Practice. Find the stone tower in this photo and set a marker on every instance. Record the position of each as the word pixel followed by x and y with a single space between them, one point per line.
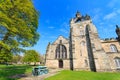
pixel 86 51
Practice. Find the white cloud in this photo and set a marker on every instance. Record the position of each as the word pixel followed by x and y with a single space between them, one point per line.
pixel 64 27
pixel 63 30
pixel 65 24
pixel 118 11
pixel 112 3
pixel 110 15
pixel 97 13
pixel 96 17
pixel 96 10
pixel 101 23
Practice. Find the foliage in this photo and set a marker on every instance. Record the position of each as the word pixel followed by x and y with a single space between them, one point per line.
pixel 18 25
pixel 5 57
pixel 42 59
pixel 16 58
pixel 85 75
pixel 31 56
pixel 8 71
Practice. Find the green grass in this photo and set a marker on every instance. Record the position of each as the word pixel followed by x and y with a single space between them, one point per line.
pixel 85 75
pixel 10 70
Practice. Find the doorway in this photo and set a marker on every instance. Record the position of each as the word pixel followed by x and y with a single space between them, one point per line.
pixel 60 63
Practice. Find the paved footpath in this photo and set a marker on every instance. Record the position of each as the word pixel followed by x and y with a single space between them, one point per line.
pixel 42 77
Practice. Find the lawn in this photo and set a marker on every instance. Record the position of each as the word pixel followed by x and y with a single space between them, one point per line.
pixel 7 71
pixel 85 75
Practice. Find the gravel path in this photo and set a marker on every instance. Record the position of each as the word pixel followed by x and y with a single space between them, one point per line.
pixel 42 77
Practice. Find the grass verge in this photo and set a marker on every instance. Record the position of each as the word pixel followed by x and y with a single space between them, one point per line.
pixel 85 75
pixel 7 71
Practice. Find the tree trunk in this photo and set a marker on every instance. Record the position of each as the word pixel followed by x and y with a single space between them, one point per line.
pixel 34 63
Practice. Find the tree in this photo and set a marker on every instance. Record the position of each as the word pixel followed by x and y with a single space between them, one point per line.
pixel 18 25
pixel 16 58
pixel 31 56
pixel 6 57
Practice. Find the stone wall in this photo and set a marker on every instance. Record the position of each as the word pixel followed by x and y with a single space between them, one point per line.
pixel 51 61
pixel 111 55
pixel 77 46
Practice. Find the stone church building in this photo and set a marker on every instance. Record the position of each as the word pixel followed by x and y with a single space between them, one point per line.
pixel 83 50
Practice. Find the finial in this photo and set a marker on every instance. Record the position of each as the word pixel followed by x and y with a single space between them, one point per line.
pixel 78 15
pixel 117 26
pixel 72 20
pixel 87 17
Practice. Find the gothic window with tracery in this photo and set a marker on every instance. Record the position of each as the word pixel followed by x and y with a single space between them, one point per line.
pixel 61 52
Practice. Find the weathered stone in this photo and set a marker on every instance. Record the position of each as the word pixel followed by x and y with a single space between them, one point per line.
pixel 77 49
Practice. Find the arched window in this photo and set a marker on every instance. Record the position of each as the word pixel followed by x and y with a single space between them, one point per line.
pixel 64 52
pixel 82 47
pixel 117 61
pixel 61 52
pixel 57 55
pixel 113 48
pixel 82 43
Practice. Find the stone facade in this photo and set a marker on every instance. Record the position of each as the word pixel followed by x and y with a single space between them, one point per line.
pixel 112 49
pixel 84 50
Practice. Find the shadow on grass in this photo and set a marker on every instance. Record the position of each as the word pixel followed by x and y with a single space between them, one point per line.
pixel 12 72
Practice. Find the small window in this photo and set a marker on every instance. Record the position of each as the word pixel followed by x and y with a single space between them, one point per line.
pixel 117 61
pixel 86 63
pixel 113 48
pixel 60 41
pixel 82 43
pixel 93 46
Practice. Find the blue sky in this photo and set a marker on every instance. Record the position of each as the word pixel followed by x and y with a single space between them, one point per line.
pixel 56 14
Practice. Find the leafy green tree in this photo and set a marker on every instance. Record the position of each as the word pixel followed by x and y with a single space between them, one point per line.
pixel 18 25
pixel 6 57
pixel 31 56
pixel 17 58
